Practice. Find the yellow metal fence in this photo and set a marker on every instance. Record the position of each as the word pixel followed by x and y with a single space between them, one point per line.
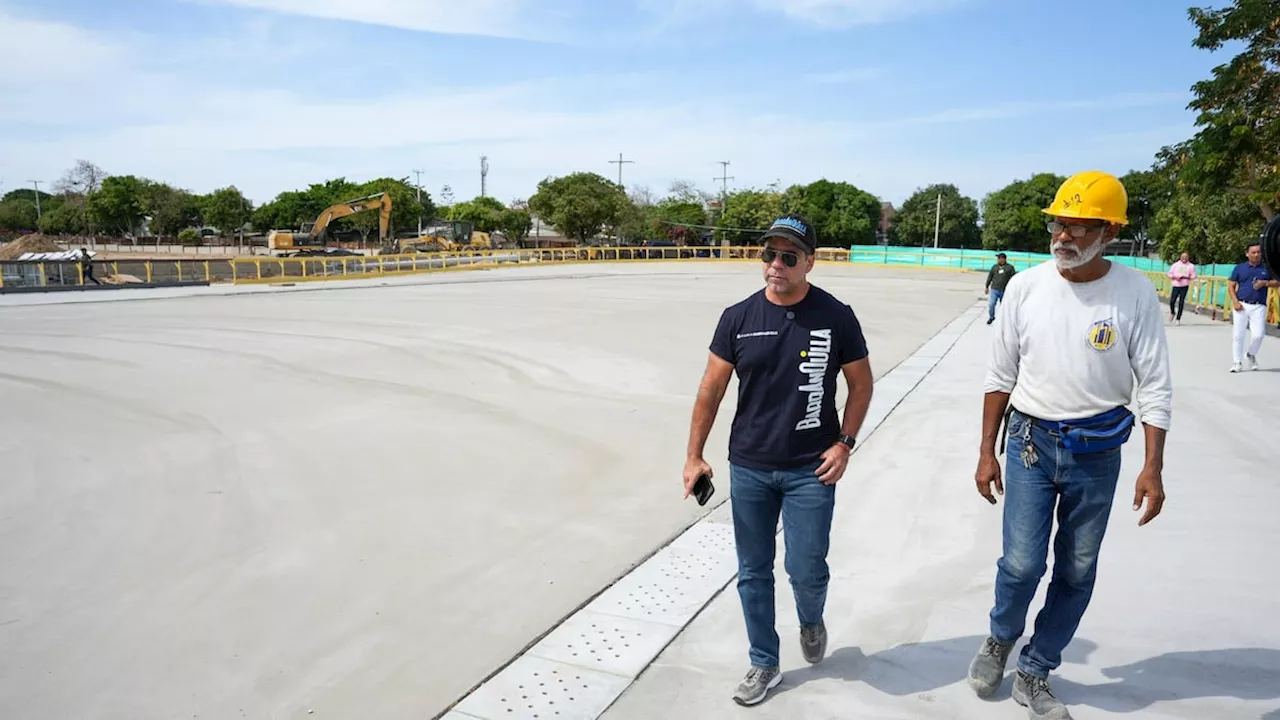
pixel 53 274
pixel 305 269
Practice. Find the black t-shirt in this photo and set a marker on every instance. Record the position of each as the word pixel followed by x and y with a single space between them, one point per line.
pixel 787 360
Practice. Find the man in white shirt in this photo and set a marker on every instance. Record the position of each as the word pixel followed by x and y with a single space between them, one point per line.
pixel 1079 338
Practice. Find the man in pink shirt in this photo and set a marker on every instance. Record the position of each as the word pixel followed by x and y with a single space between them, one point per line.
pixel 1181 273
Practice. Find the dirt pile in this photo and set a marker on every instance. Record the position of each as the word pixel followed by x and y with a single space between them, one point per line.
pixel 28 243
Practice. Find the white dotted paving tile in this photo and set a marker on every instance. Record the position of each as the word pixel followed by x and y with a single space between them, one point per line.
pixel 706 537
pixel 670 587
pixel 455 715
pixel 608 643
pixel 532 688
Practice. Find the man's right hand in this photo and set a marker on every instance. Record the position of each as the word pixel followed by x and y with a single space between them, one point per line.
pixel 694 467
pixel 1238 307
pixel 987 474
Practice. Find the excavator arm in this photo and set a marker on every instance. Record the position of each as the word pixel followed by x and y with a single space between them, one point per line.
pixel 382 201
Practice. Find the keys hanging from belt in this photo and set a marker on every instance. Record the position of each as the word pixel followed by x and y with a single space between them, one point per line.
pixel 1029 456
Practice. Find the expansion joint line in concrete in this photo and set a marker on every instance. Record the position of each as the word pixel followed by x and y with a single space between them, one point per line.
pixel 580 667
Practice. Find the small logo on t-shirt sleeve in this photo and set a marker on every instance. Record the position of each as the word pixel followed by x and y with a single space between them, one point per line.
pixel 1102 335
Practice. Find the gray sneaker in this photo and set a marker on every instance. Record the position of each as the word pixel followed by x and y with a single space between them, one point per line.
pixel 986 672
pixel 813 643
pixel 1034 694
pixel 758 682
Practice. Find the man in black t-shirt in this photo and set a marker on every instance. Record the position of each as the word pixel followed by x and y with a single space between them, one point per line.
pixel 788 343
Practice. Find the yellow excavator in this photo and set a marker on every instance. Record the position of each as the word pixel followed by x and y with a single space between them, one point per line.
pixel 283 240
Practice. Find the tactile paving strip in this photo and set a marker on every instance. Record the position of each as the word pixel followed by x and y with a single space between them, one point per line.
pixel 580 668
pixel 532 688
pixel 607 643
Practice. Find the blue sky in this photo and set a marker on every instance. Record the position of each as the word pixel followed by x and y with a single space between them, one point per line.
pixel 891 95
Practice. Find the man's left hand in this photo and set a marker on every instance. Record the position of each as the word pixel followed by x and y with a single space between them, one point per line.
pixel 1150 485
pixel 834 462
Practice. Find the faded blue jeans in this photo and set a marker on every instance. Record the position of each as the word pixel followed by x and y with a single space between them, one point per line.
pixel 806 507
pixel 1079 490
pixel 994 297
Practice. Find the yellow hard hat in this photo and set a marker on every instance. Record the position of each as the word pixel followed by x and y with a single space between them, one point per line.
pixel 1091 195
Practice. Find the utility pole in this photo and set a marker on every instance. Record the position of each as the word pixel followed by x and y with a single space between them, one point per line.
pixel 419 186
pixel 484 173
pixel 620 162
pixel 937 222
pixel 37 184
pixel 724 179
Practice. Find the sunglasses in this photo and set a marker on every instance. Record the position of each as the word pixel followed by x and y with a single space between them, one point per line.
pixel 1076 231
pixel 768 255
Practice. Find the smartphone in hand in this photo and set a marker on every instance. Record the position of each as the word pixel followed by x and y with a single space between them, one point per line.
pixel 703 489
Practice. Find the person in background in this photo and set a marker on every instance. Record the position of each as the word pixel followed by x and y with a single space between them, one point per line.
pixel 1181 274
pixel 789 342
pixel 997 281
pixel 1247 287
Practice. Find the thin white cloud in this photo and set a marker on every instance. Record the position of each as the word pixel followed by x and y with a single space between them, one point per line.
pixel 845 13
pixel 497 18
pixel 37 52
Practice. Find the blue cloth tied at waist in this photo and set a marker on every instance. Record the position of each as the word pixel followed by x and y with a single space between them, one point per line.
pixel 1099 433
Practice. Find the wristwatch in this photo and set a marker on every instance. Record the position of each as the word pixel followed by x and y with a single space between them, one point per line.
pixel 848 441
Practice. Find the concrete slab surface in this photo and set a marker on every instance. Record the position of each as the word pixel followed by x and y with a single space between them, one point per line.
pixel 354 500
pixel 1182 622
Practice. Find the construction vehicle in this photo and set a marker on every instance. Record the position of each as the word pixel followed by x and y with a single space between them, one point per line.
pixel 286 241
pixel 448 236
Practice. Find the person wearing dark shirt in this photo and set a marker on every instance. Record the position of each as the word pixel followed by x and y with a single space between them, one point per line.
pixel 788 447
pixel 997 280
pixel 1247 287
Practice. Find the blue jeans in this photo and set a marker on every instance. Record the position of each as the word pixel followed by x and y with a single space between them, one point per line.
pixel 993 298
pixel 1079 489
pixel 806 506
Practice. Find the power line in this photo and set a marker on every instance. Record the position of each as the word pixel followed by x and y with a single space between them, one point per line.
pixel 620 162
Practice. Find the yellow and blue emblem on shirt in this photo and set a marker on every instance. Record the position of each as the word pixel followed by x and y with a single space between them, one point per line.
pixel 1102 335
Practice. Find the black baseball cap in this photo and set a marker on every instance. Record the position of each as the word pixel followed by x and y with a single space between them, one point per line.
pixel 794 228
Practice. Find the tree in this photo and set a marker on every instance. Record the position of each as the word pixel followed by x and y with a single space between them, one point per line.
pixel 842 214
pixel 515 223
pixel 1212 228
pixel 748 210
pixel 169 208
pixel 1237 148
pixel 485 213
pixel 118 207
pixel 1011 217
pixel 18 214
pixel 915 221
pixel 579 205
pixel 226 209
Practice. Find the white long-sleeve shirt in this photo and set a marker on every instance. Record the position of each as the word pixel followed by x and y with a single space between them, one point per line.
pixel 1066 350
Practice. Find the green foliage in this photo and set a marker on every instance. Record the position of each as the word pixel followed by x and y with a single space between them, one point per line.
pixel 1211 228
pixel 916 219
pixel 170 209
pixel 484 213
pixel 405 208
pixel 1237 148
pixel 66 219
pixel 117 206
pixel 668 217
pixel 753 210
pixel 299 209
pixel 1012 217
pixel 189 236
pixel 515 223
pixel 18 214
pixel 226 209
pixel 842 214
pixel 580 205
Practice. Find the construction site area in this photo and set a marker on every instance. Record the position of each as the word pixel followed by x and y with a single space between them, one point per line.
pixel 423 496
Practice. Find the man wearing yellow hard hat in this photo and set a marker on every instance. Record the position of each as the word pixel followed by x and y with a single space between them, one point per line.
pixel 1079 338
